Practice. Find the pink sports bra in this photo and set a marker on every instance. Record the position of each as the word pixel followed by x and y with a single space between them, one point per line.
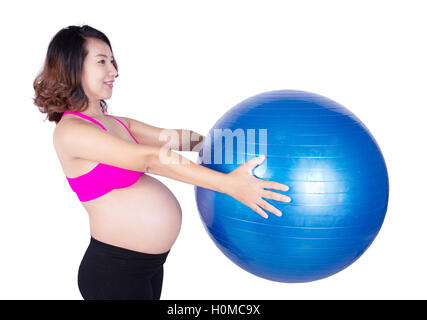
pixel 103 178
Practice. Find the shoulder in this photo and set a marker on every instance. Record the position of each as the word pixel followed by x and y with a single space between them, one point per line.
pixel 65 129
pixel 71 128
pixel 68 122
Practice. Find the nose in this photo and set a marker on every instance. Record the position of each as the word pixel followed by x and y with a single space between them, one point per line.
pixel 113 72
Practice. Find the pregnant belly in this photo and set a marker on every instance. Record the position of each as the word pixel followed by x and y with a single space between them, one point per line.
pixel 144 217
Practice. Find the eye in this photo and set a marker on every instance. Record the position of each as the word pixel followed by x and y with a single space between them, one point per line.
pixel 103 61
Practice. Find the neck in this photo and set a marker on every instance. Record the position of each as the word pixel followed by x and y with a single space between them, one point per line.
pixel 94 111
pixel 93 114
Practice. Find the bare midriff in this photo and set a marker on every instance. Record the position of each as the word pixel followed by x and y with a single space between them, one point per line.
pixel 144 217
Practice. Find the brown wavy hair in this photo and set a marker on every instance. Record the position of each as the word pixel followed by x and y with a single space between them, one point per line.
pixel 58 86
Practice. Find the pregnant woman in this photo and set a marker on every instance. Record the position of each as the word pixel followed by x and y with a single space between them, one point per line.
pixel 107 160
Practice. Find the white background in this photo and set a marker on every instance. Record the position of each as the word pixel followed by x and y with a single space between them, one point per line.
pixel 183 64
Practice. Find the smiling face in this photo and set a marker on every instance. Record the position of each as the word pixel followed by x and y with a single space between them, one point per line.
pixel 98 69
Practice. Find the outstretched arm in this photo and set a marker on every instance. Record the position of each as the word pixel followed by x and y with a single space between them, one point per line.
pixel 174 139
pixel 187 140
pixel 85 141
pixel 240 183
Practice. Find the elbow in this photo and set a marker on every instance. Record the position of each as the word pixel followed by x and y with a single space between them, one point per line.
pixel 149 156
pixel 156 160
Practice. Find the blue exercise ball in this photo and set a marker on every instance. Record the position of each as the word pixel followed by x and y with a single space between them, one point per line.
pixel 337 177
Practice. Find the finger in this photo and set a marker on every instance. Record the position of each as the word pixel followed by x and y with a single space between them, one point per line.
pixel 275 196
pixel 276 185
pixel 264 204
pixel 259 211
pixel 255 161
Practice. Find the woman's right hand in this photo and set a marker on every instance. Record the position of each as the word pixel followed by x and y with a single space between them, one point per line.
pixel 249 190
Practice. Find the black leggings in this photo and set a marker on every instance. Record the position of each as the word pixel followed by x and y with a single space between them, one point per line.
pixel 108 272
